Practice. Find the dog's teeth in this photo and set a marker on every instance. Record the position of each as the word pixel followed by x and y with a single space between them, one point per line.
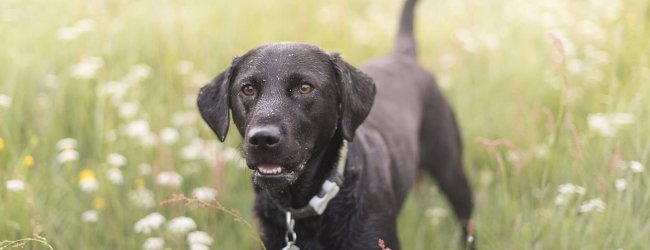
pixel 270 170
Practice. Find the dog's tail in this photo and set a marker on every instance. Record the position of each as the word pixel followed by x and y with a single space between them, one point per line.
pixel 405 43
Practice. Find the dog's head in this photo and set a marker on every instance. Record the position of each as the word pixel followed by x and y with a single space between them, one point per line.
pixel 287 101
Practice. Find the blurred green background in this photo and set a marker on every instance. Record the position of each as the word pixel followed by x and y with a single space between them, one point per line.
pixel 551 97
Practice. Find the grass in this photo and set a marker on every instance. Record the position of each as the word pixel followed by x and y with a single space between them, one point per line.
pixel 524 79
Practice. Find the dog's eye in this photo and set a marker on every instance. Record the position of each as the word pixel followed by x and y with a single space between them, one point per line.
pixel 305 88
pixel 248 90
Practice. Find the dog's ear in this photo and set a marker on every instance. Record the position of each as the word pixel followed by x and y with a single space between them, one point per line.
pixel 357 92
pixel 214 102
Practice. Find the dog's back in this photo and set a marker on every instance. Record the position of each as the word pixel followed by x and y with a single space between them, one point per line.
pixel 411 116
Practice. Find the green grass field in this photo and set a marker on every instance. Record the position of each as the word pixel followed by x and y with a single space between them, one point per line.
pixel 552 97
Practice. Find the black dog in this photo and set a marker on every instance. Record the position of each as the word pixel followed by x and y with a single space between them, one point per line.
pixel 297 107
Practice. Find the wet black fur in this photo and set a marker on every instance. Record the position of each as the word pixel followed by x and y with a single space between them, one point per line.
pixel 391 111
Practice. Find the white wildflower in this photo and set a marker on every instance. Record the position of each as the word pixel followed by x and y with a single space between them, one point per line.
pixel 193 150
pixel 199 247
pixel 88 185
pixel 169 136
pixel 90 216
pixel 72 32
pixel 467 40
pixel 169 179
pixel 608 124
pixel 116 90
pixel 205 194
pixel 513 156
pixel 116 160
pixel 142 197
pixel 620 184
pixel 575 66
pixel 15 185
pixel 138 73
pixel 149 223
pixel 137 128
pixel 571 189
pixel 140 130
pixel 592 205
pixel 566 191
pixel 66 143
pixel 128 109
pixel 542 151
pixel 199 238
pixel 636 167
pixel 600 124
pixel 621 118
pixel 115 175
pixel 87 68
pixel 181 225
pixel 144 169
pixel 184 67
pixel 5 101
pixel 154 243
pixel 210 151
pixel 67 155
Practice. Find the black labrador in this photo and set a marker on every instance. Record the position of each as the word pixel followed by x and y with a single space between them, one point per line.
pixel 297 106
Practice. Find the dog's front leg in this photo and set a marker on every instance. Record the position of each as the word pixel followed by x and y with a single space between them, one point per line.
pixel 272 235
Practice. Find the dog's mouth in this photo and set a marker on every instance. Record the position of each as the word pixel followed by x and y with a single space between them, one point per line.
pixel 269 169
pixel 274 177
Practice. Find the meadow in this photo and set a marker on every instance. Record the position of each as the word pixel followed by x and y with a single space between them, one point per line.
pixel 98 122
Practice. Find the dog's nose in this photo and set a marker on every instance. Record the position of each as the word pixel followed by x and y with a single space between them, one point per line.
pixel 267 136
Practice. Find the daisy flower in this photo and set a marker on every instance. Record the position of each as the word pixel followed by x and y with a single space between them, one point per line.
pixel 205 194
pixel 149 223
pixel 5 101
pixel 116 160
pixel 169 179
pixel 67 155
pixel 87 181
pixel 87 68
pixel 115 175
pixel 620 184
pixel 15 185
pixel 199 237
pixel 90 216
pixel 181 225
pixel 142 197
pixel 154 243
pixel 169 136
pixel 66 143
